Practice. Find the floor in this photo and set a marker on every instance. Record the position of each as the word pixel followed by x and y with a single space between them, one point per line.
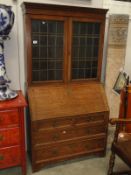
pixel 88 165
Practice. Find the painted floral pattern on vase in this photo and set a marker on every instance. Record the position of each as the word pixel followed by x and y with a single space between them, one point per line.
pixel 6 24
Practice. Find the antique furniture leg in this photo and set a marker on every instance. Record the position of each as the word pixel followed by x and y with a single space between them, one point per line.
pixel 111 163
pixel 121 146
pixel 112 157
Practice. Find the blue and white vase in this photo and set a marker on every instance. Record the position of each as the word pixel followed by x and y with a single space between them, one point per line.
pixel 6 24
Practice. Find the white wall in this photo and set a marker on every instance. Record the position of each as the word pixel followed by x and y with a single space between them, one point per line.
pixel 119 7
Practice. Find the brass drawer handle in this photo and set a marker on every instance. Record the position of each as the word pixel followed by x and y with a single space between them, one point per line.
pixel 1 157
pixel 1 137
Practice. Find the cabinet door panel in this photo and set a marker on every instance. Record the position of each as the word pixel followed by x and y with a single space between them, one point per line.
pixel 85 47
pixel 47 50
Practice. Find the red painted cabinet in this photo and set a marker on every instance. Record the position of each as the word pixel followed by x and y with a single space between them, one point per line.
pixel 12 133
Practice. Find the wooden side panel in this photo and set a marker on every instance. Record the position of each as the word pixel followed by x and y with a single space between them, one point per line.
pixel 22 141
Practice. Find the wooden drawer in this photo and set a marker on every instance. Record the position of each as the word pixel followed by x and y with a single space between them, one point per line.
pixel 69 148
pixel 91 118
pixel 9 118
pixel 9 156
pixel 9 137
pixel 64 121
pixel 52 123
pixel 66 133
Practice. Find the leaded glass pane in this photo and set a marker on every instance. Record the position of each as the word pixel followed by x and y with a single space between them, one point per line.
pixel 85 47
pixel 47 50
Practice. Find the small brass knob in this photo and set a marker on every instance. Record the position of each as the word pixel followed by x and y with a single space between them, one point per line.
pixel 64 132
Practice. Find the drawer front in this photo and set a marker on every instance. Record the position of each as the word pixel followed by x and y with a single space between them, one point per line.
pixel 9 156
pixel 65 133
pixel 70 148
pixel 9 137
pixel 91 118
pixel 9 118
pixel 52 123
pixel 67 121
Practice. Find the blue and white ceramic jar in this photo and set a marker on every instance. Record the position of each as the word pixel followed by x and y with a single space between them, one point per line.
pixel 6 24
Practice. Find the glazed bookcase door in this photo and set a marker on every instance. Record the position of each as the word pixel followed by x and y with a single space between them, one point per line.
pixel 64 46
pixel 85 49
pixel 56 57
pixel 48 44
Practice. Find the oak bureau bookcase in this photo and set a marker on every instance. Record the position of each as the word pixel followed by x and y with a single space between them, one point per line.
pixel 67 103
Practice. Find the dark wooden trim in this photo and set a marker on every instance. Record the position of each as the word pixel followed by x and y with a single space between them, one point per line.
pixel 28 48
pixel 69 51
pixel 101 46
pixel 40 8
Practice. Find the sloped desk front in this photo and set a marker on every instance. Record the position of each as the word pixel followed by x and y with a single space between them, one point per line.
pixel 67 121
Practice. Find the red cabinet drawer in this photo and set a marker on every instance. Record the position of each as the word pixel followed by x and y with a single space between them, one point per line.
pixel 9 156
pixel 9 118
pixel 9 137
